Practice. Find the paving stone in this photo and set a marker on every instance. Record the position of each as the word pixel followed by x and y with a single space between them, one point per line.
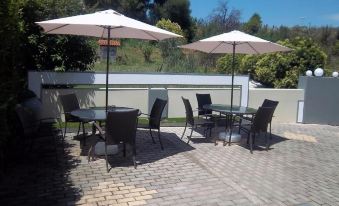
pixel 301 168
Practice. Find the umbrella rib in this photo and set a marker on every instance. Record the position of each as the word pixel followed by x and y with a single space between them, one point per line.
pixel 151 35
pixel 56 28
pixel 253 48
pixel 216 47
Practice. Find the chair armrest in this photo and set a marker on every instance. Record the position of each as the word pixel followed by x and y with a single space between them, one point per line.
pixel 101 132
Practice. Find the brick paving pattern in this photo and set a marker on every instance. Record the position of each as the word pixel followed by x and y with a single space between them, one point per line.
pixel 301 168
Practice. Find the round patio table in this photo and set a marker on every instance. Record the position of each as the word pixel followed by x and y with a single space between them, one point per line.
pixel 230 114
pixel 95 114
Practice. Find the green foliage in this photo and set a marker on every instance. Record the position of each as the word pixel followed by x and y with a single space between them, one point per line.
pixel 283 69
pixel 169 47
pixel 136 9
pixel 147 49
pixel 53 52
pixel 170 26
pixel 224 64
pixel 253 25
pixel 336 48
pixel 175 10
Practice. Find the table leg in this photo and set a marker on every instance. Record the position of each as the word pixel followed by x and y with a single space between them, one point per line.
pixel 83 133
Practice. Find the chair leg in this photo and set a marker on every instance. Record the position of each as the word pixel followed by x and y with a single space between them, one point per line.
pixel 106 157
pixel 251 143
pixel 189 137
pixel 240 121
pixel 270 131
pixel 134 156
pixel 150 131
pixel 79 129
pixel 162 147
pixel 65 129
pixel 267 141
pixel 124 145
pixel 184 131
pixel 83 132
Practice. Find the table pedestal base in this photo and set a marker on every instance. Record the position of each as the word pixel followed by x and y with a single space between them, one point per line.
pixel 226 135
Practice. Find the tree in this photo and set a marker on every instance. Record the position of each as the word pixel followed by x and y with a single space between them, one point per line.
pixel 253 25
pixel 168 46
pixel 49 52
pixel 170 52
pixel 175 10
pixel 224 64
pixel 136 9
pixel 282 70
pixel 225 19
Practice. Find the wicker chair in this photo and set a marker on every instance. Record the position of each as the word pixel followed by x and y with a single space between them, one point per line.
pixel 154 118
pixel 120 127
pixel 259 125
pixel 70 103
pixel 191 121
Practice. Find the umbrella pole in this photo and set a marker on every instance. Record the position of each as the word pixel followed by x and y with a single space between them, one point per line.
pixel 107 66
pixel 233 63
pixel 231 123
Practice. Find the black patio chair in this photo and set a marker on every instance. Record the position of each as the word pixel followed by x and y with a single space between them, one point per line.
pixel 70 103
pixel 154 118
pixel 205 99
pixel 193 122
pixel 259 125
pixel 31 125
pixel 249 119
pixel 120 127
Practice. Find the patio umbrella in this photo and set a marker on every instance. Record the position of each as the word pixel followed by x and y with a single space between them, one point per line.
pixel 235 42
pixel 105 24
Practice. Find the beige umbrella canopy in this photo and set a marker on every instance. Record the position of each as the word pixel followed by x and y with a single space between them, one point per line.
pixel 235 42
pixel 105 24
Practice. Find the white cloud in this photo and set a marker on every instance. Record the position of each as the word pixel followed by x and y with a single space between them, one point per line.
pixel 334 17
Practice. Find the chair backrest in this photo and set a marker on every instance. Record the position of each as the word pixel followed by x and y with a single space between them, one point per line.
pixel 270 103
pixel 69 102
pixel 29 122
pixel 35 105
pixel 203 99
pixel 156 113
pixel 189 111
pixel 262 118
pixel 121 126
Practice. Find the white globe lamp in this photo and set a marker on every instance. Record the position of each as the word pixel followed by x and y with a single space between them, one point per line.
pixel 335 74
pixel 318 72
pixel 309 73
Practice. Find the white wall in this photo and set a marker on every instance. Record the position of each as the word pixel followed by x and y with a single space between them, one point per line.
pixel 138 98
pixel 288 102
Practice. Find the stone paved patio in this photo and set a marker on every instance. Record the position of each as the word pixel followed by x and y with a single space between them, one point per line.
pixel 301 168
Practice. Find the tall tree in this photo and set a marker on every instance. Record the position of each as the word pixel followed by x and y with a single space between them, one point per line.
pixel 225 19
pixel 253 25
pixel 136 9
pixel 177 11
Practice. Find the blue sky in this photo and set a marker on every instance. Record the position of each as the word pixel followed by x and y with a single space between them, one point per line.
pixel 278 12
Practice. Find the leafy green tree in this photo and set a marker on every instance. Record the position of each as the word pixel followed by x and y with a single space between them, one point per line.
pixel 175 10
pixel 253 25
pixel 49 52
pixel 167 47
pixel 282 70
pixel 170 52
pixel 224 64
